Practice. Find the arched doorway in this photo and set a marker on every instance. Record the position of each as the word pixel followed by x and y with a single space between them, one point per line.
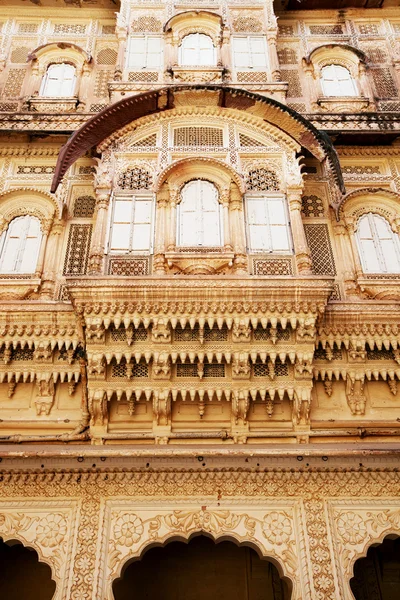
pixel 200 570
pixel 377 575
pixel 22 576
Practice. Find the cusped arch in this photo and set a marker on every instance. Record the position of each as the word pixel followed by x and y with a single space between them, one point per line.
pixel 393 533
pixel 380 200
pixel 22 201
pixel 212 169
pixel 186 537
pixel 55 52
pixel 319 52
pixel 130 109
pixel 195 21
pixel 31 545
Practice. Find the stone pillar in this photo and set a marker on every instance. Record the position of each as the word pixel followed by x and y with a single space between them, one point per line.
pixel 351 226
pixel 225 49
pixel 302 252
pixel 45 234
pixel 97 246
pixel 341 234
pixel 224 199
pixel 121 31
pixel 273 55
pixel 172 235
pixel 83 87
pixel 160 237
pixel 51 260
pixel 34 81
pixel 238 236
pixel 365 84
pixel 313 86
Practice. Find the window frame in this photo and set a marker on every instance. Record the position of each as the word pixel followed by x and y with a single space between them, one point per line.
pixel 132 197
pixel 271 250
pixel 46 79
pixel 146 38
pixel 337 82
pixel 250 53
pixel 181 50
pixel 18 255
pixel 221 231
pixel 376 239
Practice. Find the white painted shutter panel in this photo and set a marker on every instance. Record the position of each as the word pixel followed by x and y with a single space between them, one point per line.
pixel 389 244
pixel 206 50
pixel 278 224
pixel 137 52
pixel 241 52
pixel 141 237
pixel 209 214
pixel 188 222
pixel 190 50
pixel 154 53
pixel 257 221
pixel 258 53
pixel 368 250
pixel 121 225
pixel 29 250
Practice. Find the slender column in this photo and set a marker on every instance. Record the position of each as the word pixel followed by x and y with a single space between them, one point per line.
pixel 365 84
pixel 312 85
pixel 122 36
pixel 302 252
pixel 225 49
pixel 351 226
pixel 96 256
pixel 237 230
pixel 224 199
pixel 83 82
pixel 173 201
pixel 160 231
pixel 51 260
pixel 346 254
pixel 273 55
pixel 42 250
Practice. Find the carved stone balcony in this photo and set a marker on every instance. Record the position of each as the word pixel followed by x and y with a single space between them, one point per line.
pixel 53 105
pixel 197 74
pixel 344 105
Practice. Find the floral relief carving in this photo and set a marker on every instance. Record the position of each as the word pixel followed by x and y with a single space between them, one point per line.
pixel 132 530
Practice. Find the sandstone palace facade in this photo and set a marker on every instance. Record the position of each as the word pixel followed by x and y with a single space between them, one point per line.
pixel 199 299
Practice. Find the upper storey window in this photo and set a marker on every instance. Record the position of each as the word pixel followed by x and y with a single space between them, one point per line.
pixel 59 81
pixel 250 52
pixel 379 246
pixel 132 224
pixel 19 245
pixel 199 215
pixel 267 224
pixel 197 50
pixel 337 81
pixel 145 52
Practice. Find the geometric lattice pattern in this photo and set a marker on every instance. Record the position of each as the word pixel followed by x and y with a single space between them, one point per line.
pixel 312 206
pixel 320 248
pixel 150 140
pixel 186 334
pixel 272 266
pixel 13 85
pixel 262 180
pixel 69 28
pixel 213 370
pixel 294 85
pixel 321 354
pixel 252 77
pixel 120 334
pixel 384 83
pixel 135 179
pixel 84 207
pixel 380 354
pixel 247 23
pixel 198 136
pixel 287 56
pixel 146 23
pixel 261 334
pixel 77 249
pixel 22 354
pixel 143 76
pixel 186 370
pixel 28 27
pixel 107 56
pixel 101 83
pixel 129 267
pixel 326 29
pixel 215 334
pixel 247 142
pixel 285 30
pixel 35 170
pixel 19 55
pixel 368 29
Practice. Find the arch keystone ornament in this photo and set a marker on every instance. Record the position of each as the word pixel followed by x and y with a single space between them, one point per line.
pixel 272 531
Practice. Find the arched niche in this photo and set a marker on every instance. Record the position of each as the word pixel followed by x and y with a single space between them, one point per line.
pixel 28 201
pixel 194 21
pixel 23 574
pixel 377 573
pixel 205 567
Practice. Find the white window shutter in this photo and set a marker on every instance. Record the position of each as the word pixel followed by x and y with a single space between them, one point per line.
pixel 137 52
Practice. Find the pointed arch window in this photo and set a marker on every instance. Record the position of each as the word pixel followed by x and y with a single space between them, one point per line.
pixel 19 245
pixel 197 50
pixel 337 81
pixel 378 244
pixel 59 81
pixel 199 215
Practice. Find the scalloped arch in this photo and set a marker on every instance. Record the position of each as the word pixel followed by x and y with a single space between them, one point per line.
pixel 116 116
pixel 231 537
pixel 323 48
pixel 363 192
pixel 36 193
pixel 54 48
pixel 214 169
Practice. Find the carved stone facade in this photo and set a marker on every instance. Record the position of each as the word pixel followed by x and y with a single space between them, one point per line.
pixel 164 375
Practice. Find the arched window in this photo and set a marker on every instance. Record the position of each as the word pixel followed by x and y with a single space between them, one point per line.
pixel 267 224
pixel 19 245
pixel 199 215
pixel 59 81
pixel 197 50
pixel 378 245
pixel 337 81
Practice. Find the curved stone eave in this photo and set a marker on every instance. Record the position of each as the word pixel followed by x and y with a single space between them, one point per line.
pixel 118 115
